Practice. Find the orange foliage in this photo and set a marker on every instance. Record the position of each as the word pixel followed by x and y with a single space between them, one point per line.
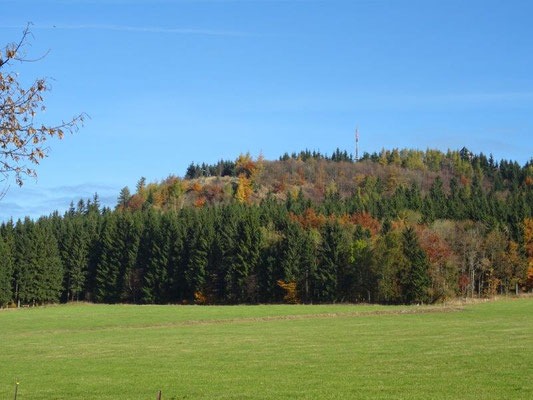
pixel 136 202
pixel 464 282
pixel 367 221
pixel 291 294
pixel 465 181
pixel 529 181
pixel 196 187
pixel 301 177
pixel 398 224
pixel 212 192
pixel 309 219
pixel 200 298
pixel 345 219
pixel 200 202
pixel 281 185
pixel 436 248
pixel 320 189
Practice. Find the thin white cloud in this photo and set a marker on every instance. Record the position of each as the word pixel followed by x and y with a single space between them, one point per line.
pixel 106 2
pixel 34 201
pixel 128 28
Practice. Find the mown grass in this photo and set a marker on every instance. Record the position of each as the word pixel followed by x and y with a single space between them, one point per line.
pixel 484 351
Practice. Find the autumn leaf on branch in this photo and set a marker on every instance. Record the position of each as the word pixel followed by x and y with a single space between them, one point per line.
pixel 22 136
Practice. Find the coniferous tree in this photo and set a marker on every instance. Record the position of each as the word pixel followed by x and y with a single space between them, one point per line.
pixel 333 254
pixel 75 258
pixel 178 255
pixel 123 198
pixel 269 264
pixel 6 273
pixel 415 278
pixel 224 250
pixel 198 258
pixel 290 253
pixel 107 270
pixel 154 260
pixel 246 258
pixel 129 228
pixel 308 265
pixel 438 199
pixel 40 269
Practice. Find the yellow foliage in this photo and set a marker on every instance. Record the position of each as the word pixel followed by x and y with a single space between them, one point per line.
pixel 291 294
pixel 244 189
pixel 245 165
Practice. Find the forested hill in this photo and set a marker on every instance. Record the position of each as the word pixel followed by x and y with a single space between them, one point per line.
pixel 401 226
pixel 455 185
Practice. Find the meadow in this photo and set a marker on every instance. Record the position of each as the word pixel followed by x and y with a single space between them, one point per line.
pixel 477 351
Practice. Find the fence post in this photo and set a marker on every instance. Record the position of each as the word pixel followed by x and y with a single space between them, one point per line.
pixel 159 395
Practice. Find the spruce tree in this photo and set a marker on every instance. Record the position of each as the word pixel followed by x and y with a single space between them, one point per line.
pixel 74 255
pixel 25 285
pixel 153 260
pixel 177 227
pixel 247 255
pixel 224 249
pixel 198 258
pixel 416 280
pixel 129 228
pixel 107 270
pixel 50 271
pixel 290 253
pixel 38 267
pixel 308 265
pixel 6 273
pixel 123 198
pixel 438 199
pixel 333 254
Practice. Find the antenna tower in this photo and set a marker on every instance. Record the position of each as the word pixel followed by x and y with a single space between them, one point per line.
pixel 357 144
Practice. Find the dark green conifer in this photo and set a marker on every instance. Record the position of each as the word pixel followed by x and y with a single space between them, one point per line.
pixel 415 279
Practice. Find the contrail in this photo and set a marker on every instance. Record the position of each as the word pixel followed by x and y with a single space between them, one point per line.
pixel 127 28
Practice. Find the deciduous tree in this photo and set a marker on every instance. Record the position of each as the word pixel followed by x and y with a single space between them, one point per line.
pixel 23 135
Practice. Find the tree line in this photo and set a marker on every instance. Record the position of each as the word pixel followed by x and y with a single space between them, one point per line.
pixel 257 238
pixel 270 252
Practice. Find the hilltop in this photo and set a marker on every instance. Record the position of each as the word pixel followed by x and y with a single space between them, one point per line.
pixel 382 184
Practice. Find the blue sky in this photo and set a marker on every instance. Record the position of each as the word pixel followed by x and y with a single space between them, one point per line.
pixel 167 82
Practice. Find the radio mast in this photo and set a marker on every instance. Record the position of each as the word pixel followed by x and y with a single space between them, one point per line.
pixel 356 144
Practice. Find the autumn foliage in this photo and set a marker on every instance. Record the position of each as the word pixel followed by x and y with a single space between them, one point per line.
pixel 23 136
pixel 309 219
pixel 528 239
pixel 291 293
pixel 244 189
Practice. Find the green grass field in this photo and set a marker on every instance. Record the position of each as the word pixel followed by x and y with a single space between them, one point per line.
pixel 483 351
